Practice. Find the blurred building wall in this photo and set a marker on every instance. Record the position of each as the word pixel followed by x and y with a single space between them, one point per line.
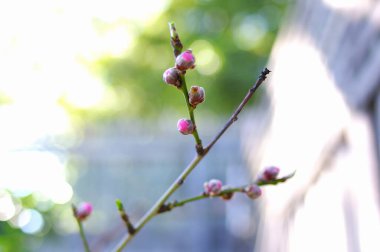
pixel 322 120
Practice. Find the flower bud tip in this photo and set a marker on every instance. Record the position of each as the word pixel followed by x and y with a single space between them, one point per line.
pixel 185 60
pixel 185 126
pixel 269 173
pixel 84 210
pixel 213 187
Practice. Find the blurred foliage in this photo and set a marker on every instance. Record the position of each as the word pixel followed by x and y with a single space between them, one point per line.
pixel 231 41
pixel 11 239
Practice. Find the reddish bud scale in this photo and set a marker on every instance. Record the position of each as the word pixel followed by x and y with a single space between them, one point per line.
pixel 196 95
pixel 172 77
pixel 227 196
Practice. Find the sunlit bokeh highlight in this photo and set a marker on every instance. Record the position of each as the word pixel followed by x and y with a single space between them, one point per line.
pixel 7 207
pixel 46 52
pixel 347 4
pixel 208 61
pixel 30 221
pixel 250 30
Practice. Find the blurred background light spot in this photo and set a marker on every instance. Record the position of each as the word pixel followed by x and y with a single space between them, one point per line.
pixel 61 193
pixel 85 92
pixel 346 4
pixel 30 221
pixel 35 171
pixel 24 124
pixel 250 30
pixel 7 207
pixel 139 11
pixel 208 61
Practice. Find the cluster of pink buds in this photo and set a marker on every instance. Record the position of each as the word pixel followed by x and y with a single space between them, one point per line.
pixel 213 187
pixel 173 76
pixel 270 173
pixel 183 62
pixel 83 211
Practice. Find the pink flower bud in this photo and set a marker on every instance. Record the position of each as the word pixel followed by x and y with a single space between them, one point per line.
pixel 185 60
pixel 196 95
pixel 253 191
pixel 269 173
pixel 212 187
pixel 185 126
pixel 172 77
pixel 83 210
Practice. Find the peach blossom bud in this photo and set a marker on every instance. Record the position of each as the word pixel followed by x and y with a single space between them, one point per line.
pixel 185 60
pixel 269 173
pixel 83 210
pixel 196 95
pixel 185 126
pixel 213 187
pixel 172 77
pixel 253 191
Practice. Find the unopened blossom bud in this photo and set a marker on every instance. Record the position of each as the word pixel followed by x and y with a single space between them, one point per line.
pixel 185 126
pixel 212 187
pixel 172 77
pixel 185 60
pixel 269 173
pixel 196 95
pixel 227 196
pixel 83 210
pixel 253 191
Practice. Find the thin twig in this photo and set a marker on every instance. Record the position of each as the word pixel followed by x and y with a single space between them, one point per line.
pixel 155 208
pixel 169 206
pixel 234 116
pixel 123 215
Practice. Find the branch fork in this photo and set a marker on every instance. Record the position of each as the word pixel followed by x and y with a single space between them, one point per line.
pixel 212 189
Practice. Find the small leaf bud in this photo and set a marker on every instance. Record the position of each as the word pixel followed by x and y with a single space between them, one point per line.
pixel 253 191
pixel 212 187
pixel 83 210
pixel 227 196
pixel 172 77
pixel 185 126
pixel 196 95
pixel 185 60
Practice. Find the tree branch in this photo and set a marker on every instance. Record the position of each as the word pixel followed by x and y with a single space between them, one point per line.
pixel 155 209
